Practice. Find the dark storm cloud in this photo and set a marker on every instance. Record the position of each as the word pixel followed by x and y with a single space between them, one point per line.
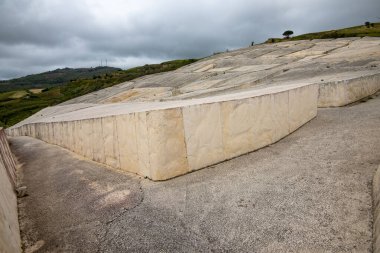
pixel 39 35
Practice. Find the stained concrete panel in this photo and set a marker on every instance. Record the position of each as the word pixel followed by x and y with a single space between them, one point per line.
pixel 302 105
pixel 280 115
pixel 65 134
pixel 376 211
pixel 127 142
pixel 111 145
pixel 167 154
pixel 238 121
pixel 87 140
pixel 339 93
pixel 10 241
pixel 72 136
pixel 98 141
pixel 143 145
pixel 263 129
pixel 203 133
pixel 79 149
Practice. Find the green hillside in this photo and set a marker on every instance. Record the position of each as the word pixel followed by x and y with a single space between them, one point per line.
pixel 53 78
pixel 357 31
pixel 19 104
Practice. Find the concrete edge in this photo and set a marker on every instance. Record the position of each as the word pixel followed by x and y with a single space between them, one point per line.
pixel 344 92
pixel 162 144
pixel 376 211
pixel 10 239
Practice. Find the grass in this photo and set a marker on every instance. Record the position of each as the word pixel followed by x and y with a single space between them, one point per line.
pixel 20 104
pixel 18 94
pixel 356 31
pixel 36 91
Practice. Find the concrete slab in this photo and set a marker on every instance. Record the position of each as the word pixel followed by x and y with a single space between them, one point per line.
pixel 179 136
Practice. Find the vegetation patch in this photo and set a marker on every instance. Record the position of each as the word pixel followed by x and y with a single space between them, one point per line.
pixel 18 94
pixel 370 30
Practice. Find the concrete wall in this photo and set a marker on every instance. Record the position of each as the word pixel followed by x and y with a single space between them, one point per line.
pixel 164 143
pixel 376 211
pixel 345 92
pixel 9 228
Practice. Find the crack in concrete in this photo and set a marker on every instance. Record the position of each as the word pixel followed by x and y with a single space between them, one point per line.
pixel 107 225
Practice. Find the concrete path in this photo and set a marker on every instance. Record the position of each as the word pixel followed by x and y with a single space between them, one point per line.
pixel 310 192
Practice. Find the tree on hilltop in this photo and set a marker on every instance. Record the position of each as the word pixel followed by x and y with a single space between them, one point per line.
pixel 287 34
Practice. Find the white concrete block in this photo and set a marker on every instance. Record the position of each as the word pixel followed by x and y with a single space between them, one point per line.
pixel 88 135
pixel 111 145
pixel 263 128
pixel 340 93
pixel 302 105
pixel 127 142
pixel 203 135
pixel 239 118
pixel 167 148
pixel 143 148
pixel 98 141
pixel 280 114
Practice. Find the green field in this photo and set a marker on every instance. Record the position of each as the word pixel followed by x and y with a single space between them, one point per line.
pixel 356 31
pixel 20 104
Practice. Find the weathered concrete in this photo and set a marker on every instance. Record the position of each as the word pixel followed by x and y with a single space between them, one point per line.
pixel 334 64
pixel 165 140
pixel 376 211
pixel 309 192
pixel 215 109
pixel 344 92
pixel 10 241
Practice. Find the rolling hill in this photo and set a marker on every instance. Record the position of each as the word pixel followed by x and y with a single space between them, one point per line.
pixel 53 78
pixel 356 31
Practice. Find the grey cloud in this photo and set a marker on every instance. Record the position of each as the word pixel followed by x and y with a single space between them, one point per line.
pixel 40 35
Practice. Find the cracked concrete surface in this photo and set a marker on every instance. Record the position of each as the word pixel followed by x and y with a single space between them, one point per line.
pixel 309 192
pixel 306 61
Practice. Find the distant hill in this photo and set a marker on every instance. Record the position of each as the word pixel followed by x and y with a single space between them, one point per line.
pixel 356 31
pixel 53 78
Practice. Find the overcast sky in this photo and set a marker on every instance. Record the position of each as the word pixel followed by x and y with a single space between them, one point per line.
pixel 41 35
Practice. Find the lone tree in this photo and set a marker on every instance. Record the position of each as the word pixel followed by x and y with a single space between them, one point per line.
pixel 367 24
pixel 287 34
